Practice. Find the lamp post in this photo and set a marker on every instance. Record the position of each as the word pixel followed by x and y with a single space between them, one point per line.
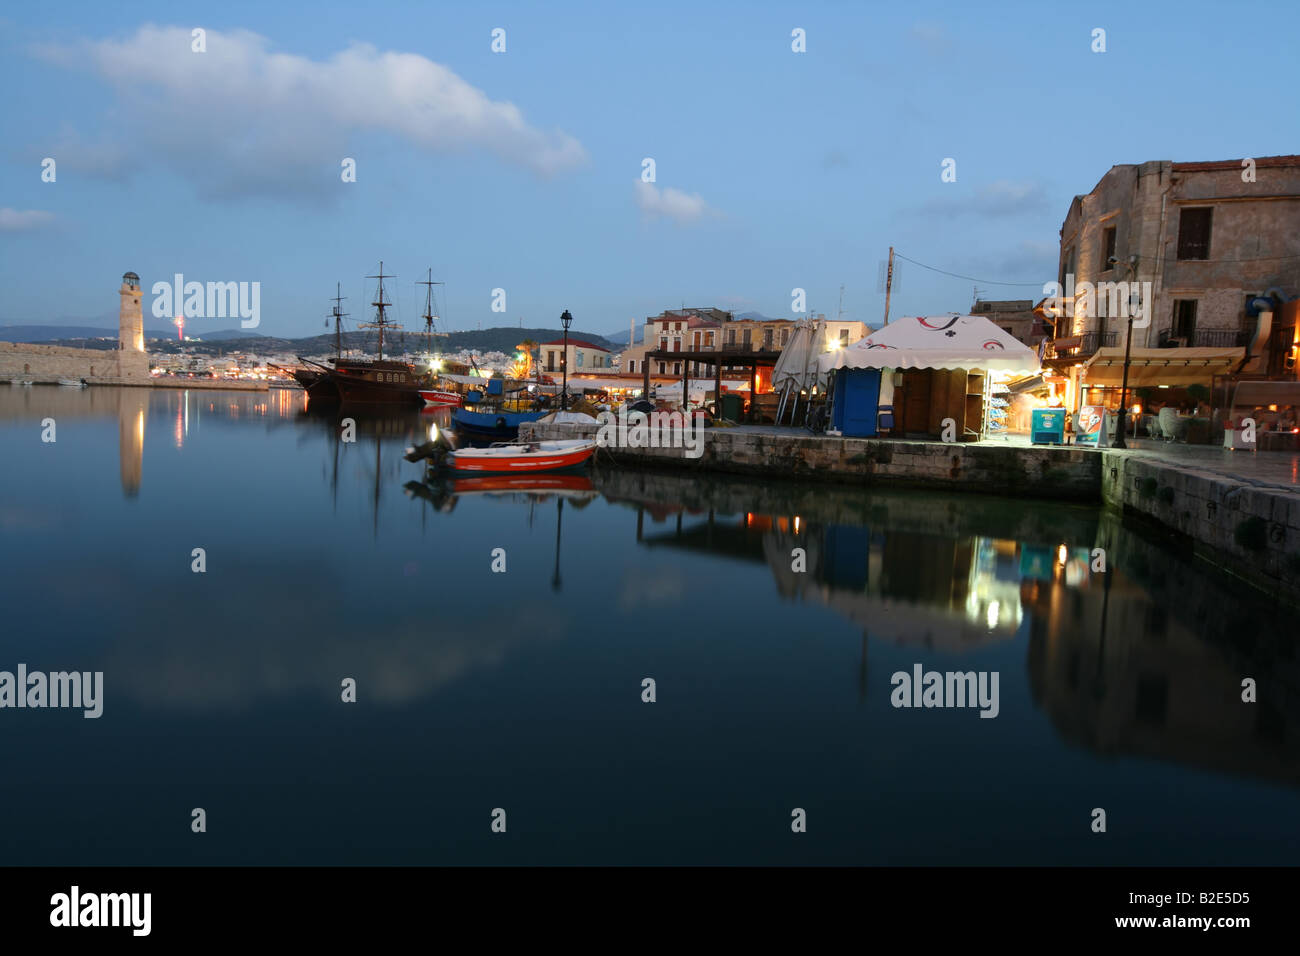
pixel 1121 426
pixel 565 320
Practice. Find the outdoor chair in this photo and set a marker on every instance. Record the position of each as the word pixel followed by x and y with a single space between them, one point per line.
pixel 1172 425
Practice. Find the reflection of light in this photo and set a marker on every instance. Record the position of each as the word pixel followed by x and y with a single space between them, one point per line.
pixel 796 524
pixel 433 431
pixel 1062 555
pixel 993 614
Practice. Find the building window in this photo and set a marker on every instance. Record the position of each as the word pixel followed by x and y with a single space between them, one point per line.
pixel 661 368
pixel 844 337
pixel 731 336
pixel 1194 233
pixel 767 340
pixel 746 339
pixel 677 368
pixel 550 360
pixel 579 354
pixel 785 337
pixel 1184 325
pixel 1107 247
pixel 708 339
pixel 1067 266
pixel 663 344
pixel 631 365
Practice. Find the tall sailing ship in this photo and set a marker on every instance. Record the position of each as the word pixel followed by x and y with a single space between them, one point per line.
pixel 379 381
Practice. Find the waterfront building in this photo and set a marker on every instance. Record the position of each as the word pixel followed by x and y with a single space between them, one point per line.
pixel 1209 238
pixel 582 356
pixel 1019 318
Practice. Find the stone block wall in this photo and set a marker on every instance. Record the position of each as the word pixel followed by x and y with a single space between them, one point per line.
pixel 49 363
pixel 1252 531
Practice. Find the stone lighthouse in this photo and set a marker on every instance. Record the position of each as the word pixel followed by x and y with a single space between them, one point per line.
pixel 130 317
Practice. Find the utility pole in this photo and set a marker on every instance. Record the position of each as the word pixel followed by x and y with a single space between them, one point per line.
pixel 889 282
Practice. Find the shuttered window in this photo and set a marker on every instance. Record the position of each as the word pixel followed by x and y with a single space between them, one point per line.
pixel 1194 233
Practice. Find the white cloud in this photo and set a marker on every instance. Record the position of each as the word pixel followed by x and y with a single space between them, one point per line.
pixel 241 119
pixel 23 220
pixel 996 199
pixel 670 203
pixel 932 36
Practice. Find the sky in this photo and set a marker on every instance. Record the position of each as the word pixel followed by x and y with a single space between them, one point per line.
pixel 523 170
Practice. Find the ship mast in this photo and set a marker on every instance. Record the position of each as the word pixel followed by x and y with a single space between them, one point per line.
pixel 429 333
pixel 338 314
pixel 381 321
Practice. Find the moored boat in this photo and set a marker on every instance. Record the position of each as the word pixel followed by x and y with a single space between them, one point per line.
pixel 72 383
pixel 438 398
pixel 379 382
pixel 522 457
pixel 491 425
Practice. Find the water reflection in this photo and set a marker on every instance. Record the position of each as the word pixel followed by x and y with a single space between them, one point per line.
pixel 1145 660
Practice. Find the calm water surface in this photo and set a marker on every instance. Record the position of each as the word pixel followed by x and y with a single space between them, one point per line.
pixel 522 690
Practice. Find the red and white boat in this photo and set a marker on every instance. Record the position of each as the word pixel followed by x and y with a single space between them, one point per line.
pixel 436 398
pixel 516 458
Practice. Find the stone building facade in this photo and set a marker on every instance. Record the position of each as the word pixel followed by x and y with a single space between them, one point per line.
pixel 128 364
pixel 1209 236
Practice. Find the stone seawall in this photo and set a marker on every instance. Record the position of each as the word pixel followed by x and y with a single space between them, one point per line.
pixel 1249 529
pixel 50 363
pixel 1071 474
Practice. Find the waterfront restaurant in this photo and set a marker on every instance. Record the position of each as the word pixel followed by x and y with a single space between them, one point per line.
pixel 911 375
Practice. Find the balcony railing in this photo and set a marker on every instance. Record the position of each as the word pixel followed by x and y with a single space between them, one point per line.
pixel 1081 346
pixel 1205 339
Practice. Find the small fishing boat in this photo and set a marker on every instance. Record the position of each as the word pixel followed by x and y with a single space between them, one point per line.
pixel 20 382
pixel 491 425
pixel 72 383
pixel 522 457
pixel 437 398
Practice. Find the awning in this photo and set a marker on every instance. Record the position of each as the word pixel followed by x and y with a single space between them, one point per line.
pixel 1152 367
pixel 1251 394
pixel 946 341
pixel 1030 384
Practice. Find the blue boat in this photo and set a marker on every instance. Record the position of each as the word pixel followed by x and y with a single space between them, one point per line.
pixel 491 425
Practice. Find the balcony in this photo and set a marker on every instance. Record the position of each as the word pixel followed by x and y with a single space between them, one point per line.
pixel 1081 346
pixel 1204 339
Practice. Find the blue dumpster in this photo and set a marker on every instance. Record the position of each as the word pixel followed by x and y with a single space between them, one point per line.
pixel 1047 426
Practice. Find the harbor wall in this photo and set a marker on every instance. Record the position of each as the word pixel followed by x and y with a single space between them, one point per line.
pixel 1071 474
pixel 1247 529
pixel 1250 530
pixel 49 363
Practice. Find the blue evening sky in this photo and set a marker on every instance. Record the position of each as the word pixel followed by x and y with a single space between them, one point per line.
pixel 521 170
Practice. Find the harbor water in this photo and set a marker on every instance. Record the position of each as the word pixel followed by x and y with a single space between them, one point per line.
pixel 619 667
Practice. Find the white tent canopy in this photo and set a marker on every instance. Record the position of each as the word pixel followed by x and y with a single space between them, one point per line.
pixel 945 341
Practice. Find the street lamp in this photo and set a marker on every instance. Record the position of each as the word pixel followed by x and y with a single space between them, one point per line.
pixel 565 320
pixel 1121 426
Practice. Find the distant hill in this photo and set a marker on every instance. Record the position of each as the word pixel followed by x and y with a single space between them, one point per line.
pixel 51 333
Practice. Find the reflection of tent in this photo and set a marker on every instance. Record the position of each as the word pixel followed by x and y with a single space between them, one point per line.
pixel 960 344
